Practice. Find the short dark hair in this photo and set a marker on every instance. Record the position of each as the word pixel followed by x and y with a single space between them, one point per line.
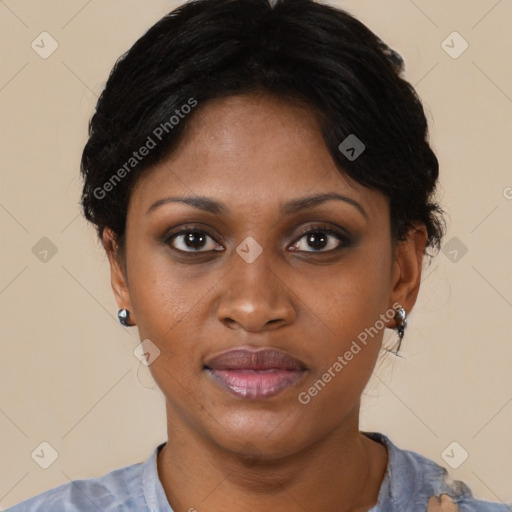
pixel 297 50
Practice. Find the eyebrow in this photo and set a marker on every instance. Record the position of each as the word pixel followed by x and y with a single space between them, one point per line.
pixel 200 202
pixel 212 206
pixel 310 201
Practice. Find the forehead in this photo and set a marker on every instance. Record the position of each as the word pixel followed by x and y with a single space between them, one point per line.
pixel 249 150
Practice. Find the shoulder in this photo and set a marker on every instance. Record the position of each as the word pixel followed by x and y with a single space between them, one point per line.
pixel 118 490
pixel 414 482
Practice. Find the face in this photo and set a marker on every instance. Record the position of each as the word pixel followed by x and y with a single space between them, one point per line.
pixel 290 285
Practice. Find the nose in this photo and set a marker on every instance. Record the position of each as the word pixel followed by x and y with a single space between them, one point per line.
pixel 253 297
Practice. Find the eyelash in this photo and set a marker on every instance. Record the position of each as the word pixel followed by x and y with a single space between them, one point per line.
pixel 341 237
pixel 344 240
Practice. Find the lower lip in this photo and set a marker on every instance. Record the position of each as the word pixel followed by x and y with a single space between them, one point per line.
pixel 256 385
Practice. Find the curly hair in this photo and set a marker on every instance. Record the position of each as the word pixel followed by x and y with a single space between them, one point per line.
pixel 297 50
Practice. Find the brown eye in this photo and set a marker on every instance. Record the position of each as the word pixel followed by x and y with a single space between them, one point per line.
pixel 320 240
pixel 192 241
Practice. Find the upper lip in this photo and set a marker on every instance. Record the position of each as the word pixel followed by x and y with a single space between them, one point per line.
pixel 251 359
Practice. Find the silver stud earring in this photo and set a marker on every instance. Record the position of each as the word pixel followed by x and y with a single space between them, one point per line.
pixel 401 320
pixel 124 317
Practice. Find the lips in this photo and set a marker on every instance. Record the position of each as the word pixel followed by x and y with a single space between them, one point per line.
pixel 255 374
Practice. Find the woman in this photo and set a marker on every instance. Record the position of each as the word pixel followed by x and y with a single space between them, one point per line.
pixel 261 180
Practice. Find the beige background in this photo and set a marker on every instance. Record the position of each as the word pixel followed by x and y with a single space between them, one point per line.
pixel 68 374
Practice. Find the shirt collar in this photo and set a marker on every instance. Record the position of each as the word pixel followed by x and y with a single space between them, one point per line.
pixel 400 482
pixel 153 490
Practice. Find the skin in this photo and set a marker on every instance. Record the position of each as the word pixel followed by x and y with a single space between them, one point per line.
pixel 253 152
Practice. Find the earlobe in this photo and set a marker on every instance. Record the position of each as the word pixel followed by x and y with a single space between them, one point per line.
pixel 407 267
pixel 118 278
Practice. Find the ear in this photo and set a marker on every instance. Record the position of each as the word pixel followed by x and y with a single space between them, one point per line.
pixel 407 267
pixel 118 278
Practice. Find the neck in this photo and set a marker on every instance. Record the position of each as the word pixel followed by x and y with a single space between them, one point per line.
pixel 341 472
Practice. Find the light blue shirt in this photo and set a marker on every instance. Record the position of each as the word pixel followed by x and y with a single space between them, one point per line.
pixel 410 480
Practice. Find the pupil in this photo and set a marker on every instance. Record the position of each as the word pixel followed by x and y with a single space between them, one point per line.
pixel 192 238
pixel 318 235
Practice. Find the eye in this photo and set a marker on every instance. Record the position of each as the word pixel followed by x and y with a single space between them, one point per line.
pixel 321 239
pixel 192 240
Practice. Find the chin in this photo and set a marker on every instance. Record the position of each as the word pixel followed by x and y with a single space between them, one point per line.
pixel 260 434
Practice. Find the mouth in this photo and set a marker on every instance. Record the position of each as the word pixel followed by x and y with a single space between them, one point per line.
pixel 255 374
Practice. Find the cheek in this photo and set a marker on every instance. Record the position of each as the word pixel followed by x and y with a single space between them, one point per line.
pixel 346 356
pixel 167 305
pixel 348 298
pixel 347 306
pixel 173 305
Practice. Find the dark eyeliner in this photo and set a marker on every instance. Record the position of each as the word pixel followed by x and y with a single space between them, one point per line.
pixel 182 230
pixel 341 235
